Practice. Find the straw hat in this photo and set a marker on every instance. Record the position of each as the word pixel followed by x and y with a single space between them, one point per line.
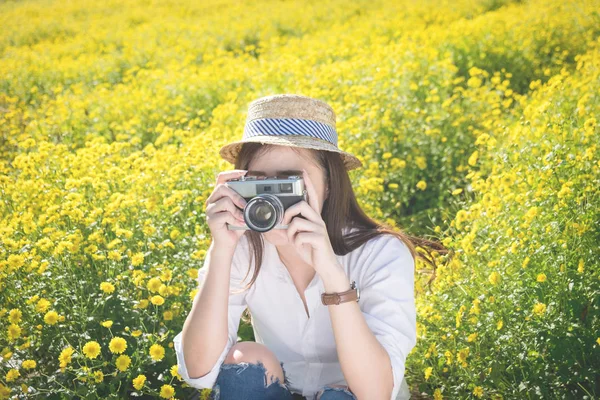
pixel 290 120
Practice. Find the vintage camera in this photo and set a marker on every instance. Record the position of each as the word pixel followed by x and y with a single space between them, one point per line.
pixel 268 198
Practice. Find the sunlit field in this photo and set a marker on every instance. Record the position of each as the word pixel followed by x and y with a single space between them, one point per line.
pixel 477 122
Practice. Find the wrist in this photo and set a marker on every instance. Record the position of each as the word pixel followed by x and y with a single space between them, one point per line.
pixel 335 280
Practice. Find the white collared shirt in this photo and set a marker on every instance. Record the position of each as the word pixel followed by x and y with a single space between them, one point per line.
pixel 383 269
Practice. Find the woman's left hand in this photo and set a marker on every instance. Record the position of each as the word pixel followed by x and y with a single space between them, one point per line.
pixel 309 234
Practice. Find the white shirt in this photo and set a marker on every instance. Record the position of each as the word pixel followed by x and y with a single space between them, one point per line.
pixel 383 269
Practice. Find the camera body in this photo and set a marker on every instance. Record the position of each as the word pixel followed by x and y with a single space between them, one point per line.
pixel 268 198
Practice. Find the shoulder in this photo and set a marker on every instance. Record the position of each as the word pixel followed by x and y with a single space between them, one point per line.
pixel 388 244
pixel 382 244
pixel 386 254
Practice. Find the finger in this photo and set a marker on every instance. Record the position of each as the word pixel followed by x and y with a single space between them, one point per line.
pixel 309 238
pixel 303 208
pixel 223 217
pixel 224 191
pixel 313 201
pixel 300 225
pixel 225 204
pixel 224 176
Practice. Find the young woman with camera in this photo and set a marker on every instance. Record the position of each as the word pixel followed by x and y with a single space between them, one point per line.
pixel 332 299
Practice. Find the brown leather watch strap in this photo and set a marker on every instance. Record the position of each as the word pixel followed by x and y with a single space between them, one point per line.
pixel 341 297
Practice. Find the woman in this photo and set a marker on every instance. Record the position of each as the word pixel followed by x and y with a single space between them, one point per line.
pixel 310 344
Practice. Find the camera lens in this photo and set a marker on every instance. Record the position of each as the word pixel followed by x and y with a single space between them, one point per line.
pixel 263 212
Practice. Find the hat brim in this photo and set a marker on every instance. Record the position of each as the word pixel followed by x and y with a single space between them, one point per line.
pixel 230 151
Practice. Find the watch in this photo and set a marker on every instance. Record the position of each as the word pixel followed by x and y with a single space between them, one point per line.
pixel 336 298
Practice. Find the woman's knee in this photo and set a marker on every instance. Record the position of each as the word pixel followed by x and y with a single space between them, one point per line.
pixel 340 392
pixel 252 352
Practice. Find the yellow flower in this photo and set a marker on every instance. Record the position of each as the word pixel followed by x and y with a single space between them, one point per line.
pixel 115 242
pixel 157 352
pixel 539 308
pixel 115 255
pixel 123 362
pixel 474 82
pixel 16 261
pixel 475 308
pixel 157 300
pixel 138 382
pixel 117 345
pixel 461 216
pixel 91 349
pixel 106 324
pixel 499 325
pixel 167 391
pixel 478 391
pixel 387 155
pixel 136 333
pixel 580 267
pixel 98 376
pixel 494 278
pixel 473 158
pixel 168 315
pixel 107 287
pixel 457 191
pixel 42 305
pixel 589 124
pixel 421 162
pixel 14 316
pixel 462 356
pixel 175 371
pixel 51 317
pixel 398 163
pixel 137 259
pixel 393 186
pixel 12 374
pixel 541 277
pixel 428 371
pixel 28 364
pixel 437 394
pixel 143 304
pixel 14 331
pixel 449 357
pixel 472 337
pixel 65 356
pixel 526 262
pixel 166 275
pixel 422 185
pixel 154 284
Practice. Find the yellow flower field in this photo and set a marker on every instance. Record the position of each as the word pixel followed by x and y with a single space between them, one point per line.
pixel 478 124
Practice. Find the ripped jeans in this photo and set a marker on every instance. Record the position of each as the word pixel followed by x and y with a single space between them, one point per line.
pixel 248 381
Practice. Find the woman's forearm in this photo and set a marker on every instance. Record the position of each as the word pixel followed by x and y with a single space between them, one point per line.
pixel 205 330
pixel 365 363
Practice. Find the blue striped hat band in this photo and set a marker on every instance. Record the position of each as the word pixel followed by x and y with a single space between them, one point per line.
pixel 290 126
pixel 290 119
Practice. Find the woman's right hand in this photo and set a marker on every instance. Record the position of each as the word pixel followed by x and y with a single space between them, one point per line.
pixel 222 208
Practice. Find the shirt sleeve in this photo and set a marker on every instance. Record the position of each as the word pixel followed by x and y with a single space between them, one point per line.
pixel 237 305
pixel 387 301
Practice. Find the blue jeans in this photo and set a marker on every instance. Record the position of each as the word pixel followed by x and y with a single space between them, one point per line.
pixel 248 381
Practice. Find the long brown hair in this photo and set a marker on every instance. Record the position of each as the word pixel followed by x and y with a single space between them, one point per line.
pixel 340 210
